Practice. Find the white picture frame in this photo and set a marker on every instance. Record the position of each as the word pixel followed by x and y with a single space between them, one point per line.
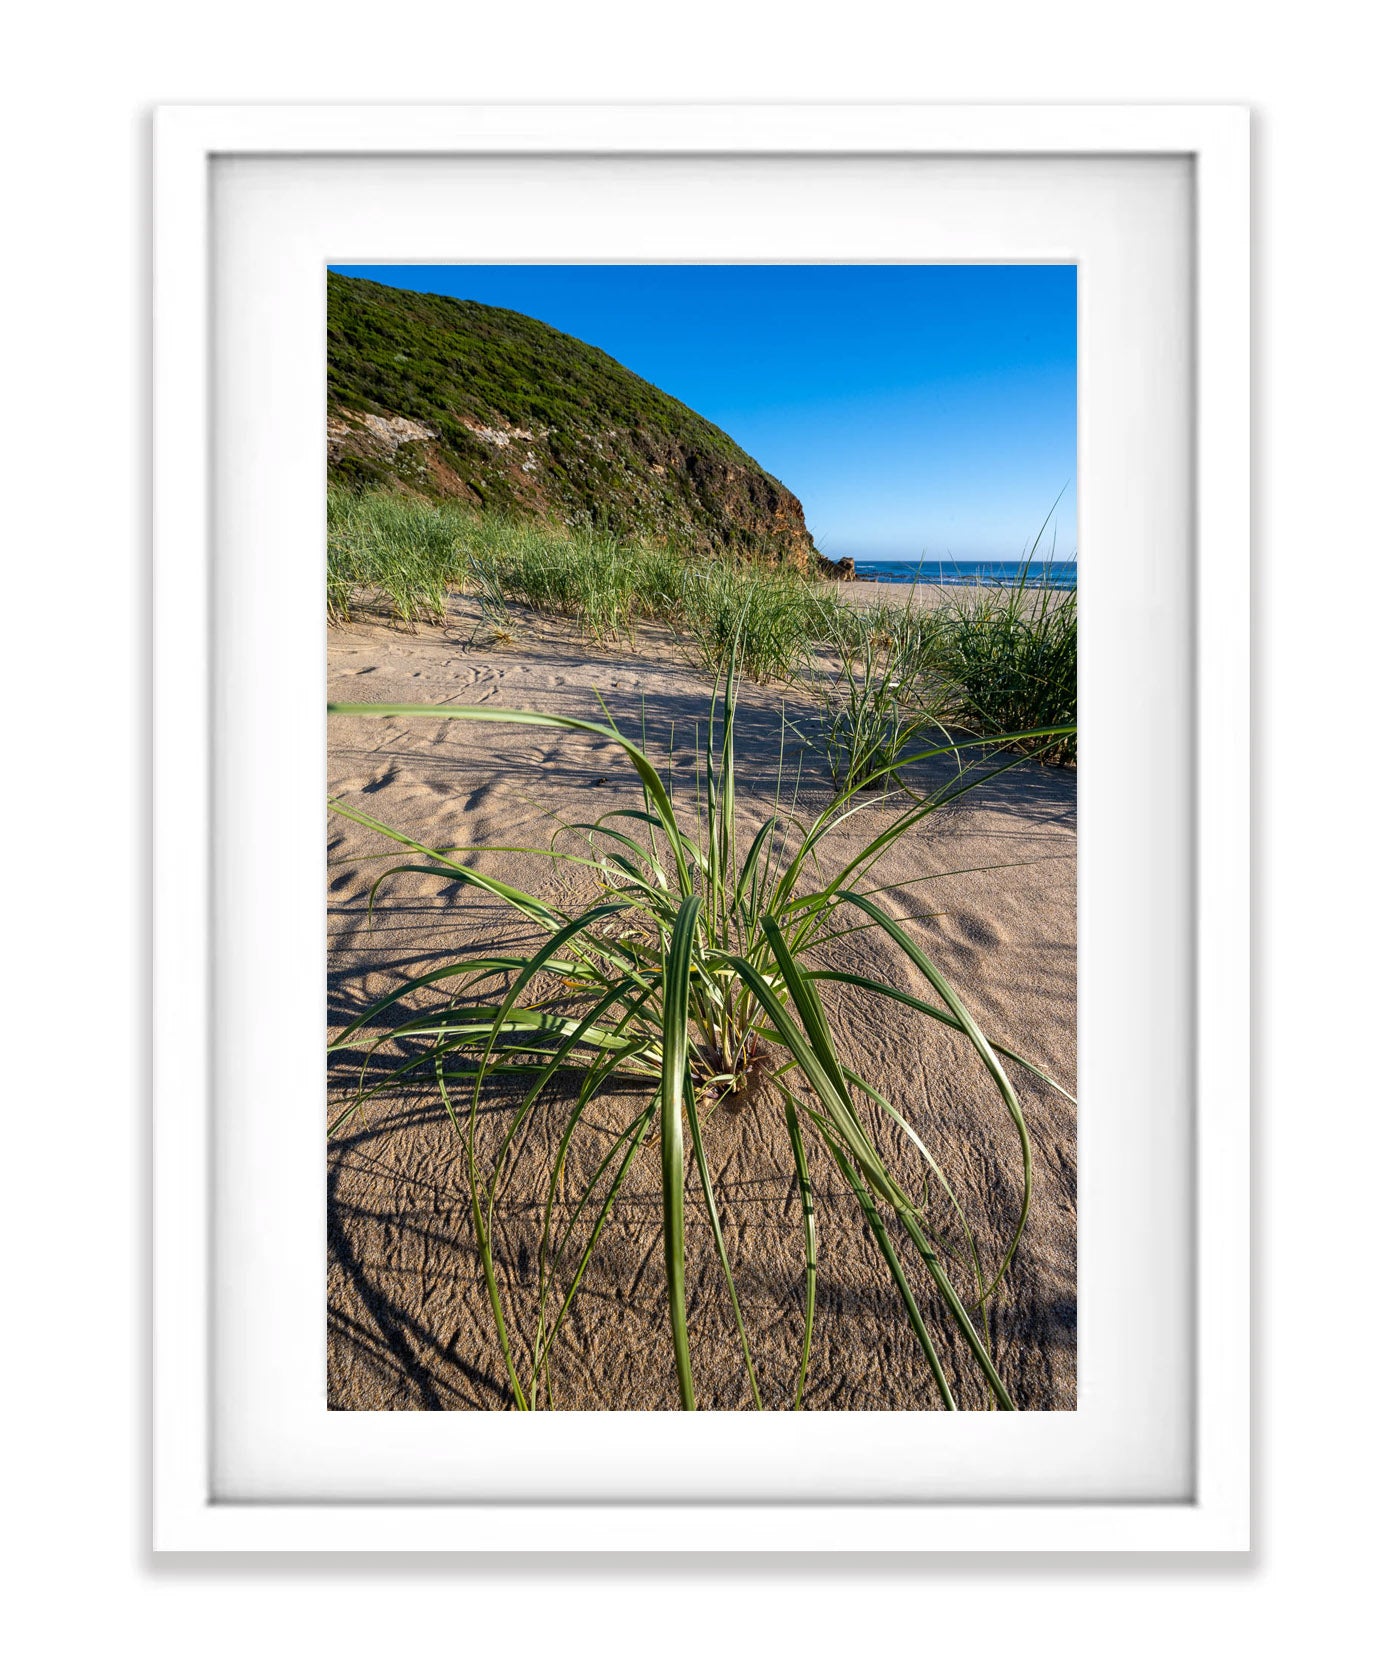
pixel 188 1513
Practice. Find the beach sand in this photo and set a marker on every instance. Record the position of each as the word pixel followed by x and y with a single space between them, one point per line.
pixel 925 597
pixel 409 1324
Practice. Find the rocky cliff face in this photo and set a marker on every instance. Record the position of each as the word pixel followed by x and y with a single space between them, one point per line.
pixel 459 401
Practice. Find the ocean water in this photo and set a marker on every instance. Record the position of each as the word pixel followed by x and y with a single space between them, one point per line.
pixel 1040 574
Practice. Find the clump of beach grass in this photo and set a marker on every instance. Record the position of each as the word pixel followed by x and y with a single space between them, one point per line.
pixel 391 554
pixel 1012 660
pixel 700 962
pixel 397 555
pixel 771 618
pixel 881 687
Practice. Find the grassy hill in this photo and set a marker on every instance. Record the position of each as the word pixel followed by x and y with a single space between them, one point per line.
pixel 461 402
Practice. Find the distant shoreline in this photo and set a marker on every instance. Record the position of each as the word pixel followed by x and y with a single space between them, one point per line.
pixel 955 574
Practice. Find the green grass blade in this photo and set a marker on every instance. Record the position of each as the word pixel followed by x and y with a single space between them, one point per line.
pixel 891 1259
pixel 532 907
pixel 633 1138
pixel 974 1253
pixel 960 1313
pixel 712 1209
pixel 807 1004
pixel 483 1242
pixel 989 1058
pixel 809 1236
pixel 845 978
pixel 547 720
pixel 835 1101
pixel 675 1088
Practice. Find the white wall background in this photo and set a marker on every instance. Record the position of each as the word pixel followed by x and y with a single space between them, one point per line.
pixel 73 327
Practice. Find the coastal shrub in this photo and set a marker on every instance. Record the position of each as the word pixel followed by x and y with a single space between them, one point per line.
pixel 696 966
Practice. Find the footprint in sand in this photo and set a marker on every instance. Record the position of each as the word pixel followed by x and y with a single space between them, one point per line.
pixel 976 935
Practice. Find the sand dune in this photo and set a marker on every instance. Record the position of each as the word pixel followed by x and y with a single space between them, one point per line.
pixel 409 1325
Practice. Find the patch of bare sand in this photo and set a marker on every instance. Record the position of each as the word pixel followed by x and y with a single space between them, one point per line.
pixel 926 597
pixel 410 1326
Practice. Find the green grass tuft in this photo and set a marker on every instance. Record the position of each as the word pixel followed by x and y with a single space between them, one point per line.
pixel 1012 658
pixel 701 961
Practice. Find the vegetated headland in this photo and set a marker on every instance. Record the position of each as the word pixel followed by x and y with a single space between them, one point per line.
pixel 493 411
pixel 470 564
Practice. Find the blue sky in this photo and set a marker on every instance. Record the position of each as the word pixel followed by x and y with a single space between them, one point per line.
pixel 911 409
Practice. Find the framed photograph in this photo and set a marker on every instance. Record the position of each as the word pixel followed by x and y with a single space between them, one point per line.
pixel 721 1021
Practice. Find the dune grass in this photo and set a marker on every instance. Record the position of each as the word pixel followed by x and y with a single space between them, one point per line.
pixel 406 558
pixel 700 964
pixel 1012 660
pixel 881 687
pixel 999 660
pixel 397 555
